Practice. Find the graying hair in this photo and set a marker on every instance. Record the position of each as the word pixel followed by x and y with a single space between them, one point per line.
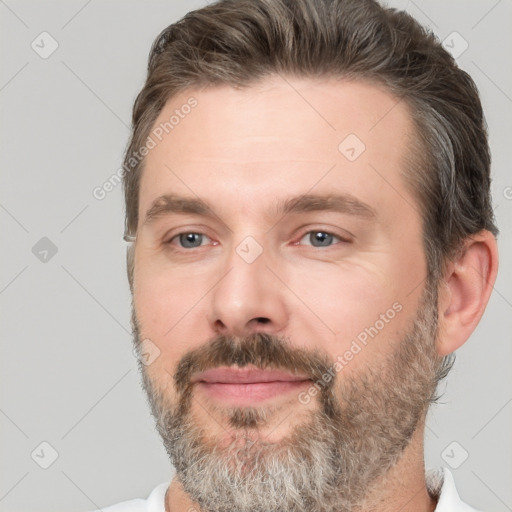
pixel 238 42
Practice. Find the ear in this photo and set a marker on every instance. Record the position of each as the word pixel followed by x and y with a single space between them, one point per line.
pixel 465 290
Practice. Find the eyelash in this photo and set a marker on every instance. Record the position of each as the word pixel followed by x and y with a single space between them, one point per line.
pixel 304 234
pixel 177 236
pixel 325 232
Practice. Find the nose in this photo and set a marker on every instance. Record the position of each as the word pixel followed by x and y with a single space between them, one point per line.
pixel 247 299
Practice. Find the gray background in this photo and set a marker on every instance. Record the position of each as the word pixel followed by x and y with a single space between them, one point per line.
pixel 67 374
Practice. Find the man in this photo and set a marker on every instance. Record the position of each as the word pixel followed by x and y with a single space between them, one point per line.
pixel 311 238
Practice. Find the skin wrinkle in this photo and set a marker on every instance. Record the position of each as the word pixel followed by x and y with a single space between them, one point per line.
pixel 314 300
pixel 328 463
pixel 173 204
pixel 271 95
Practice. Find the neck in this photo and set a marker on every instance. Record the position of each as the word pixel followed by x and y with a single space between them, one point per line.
pixel 403 488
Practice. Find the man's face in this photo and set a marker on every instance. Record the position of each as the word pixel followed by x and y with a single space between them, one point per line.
pixel 290 217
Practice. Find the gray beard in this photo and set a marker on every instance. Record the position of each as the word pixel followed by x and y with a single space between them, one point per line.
pixel 328 463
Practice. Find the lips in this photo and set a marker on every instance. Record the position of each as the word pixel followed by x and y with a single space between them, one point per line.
pixel 246 375
pixel 245 386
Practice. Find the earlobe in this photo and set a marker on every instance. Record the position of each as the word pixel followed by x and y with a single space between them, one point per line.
pixel 465 291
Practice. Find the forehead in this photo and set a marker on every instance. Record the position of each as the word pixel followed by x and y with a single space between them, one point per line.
pixel 281 136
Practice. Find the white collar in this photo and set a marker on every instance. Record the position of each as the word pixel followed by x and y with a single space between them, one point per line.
pixel 440 484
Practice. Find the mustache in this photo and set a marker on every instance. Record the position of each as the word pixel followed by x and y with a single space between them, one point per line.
pixel 262 350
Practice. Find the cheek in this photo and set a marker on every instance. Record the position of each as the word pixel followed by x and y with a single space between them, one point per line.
pixel 162 294
pixel 362 309
pixel 343 298
pixel 167 307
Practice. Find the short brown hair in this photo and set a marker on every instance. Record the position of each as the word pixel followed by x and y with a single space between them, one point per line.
pixel 237 42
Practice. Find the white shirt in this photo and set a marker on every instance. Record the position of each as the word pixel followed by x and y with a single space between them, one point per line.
pixel 439 483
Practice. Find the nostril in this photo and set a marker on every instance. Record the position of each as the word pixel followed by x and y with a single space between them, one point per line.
pixel 262 320
pixel 219 326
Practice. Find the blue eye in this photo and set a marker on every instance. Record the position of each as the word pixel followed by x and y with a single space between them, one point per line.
pixel 320 239
pixel 190 240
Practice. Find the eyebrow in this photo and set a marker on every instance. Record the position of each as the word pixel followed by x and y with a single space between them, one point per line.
pixel 169 204
pixel 342 203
